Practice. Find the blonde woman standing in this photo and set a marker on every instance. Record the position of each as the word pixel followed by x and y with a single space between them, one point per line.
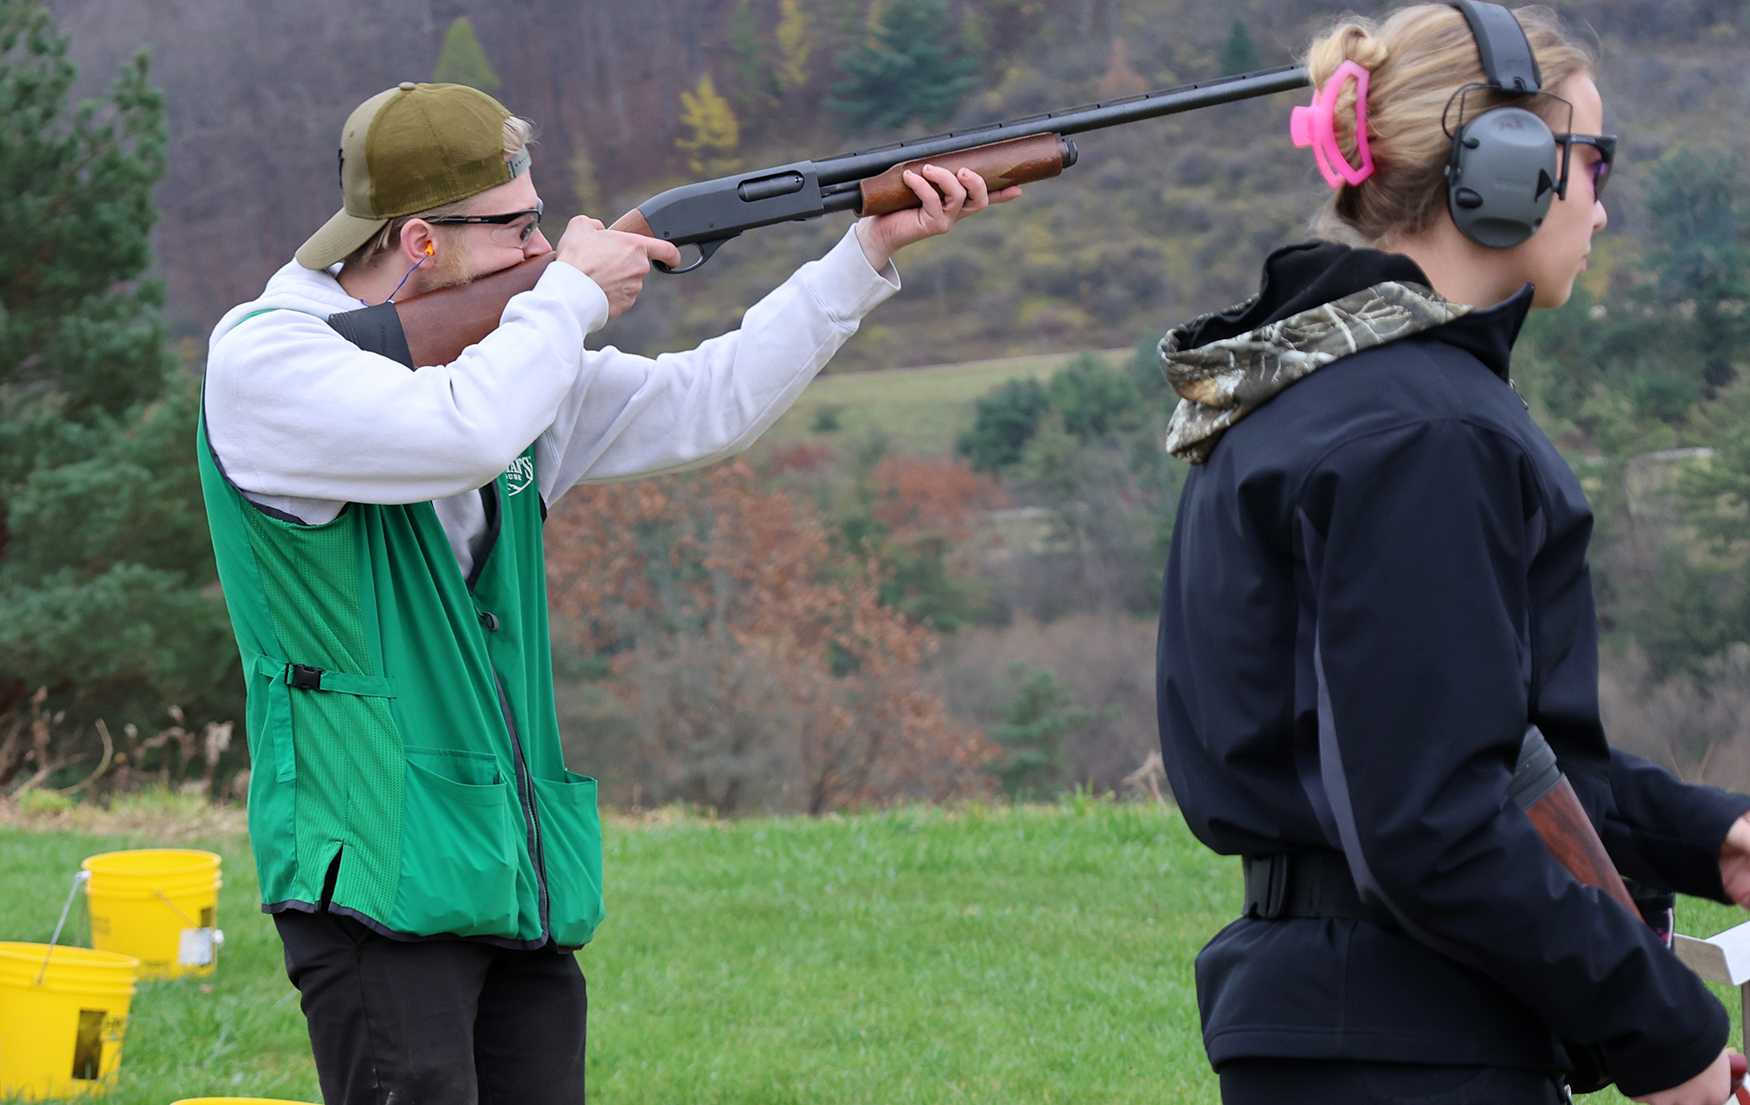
pixel 1377 602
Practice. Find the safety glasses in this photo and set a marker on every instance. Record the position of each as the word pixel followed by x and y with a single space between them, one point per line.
pixel 1605 144
pixel 515 228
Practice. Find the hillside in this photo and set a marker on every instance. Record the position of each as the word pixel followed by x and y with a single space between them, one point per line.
pixel 1158 221
pixel 919 411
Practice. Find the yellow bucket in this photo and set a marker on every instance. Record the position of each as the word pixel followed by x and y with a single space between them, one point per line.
pixel 64 1036
pixel 160 905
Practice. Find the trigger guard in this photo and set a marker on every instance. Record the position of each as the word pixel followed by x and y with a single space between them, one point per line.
pixel 706 250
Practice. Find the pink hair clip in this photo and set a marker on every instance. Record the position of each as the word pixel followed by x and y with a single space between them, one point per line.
pixel 1315 126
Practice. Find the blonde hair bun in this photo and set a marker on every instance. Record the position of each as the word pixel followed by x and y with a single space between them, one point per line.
pixel 1349 41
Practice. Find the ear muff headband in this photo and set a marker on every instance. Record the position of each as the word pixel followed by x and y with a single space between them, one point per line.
pixel 1509 63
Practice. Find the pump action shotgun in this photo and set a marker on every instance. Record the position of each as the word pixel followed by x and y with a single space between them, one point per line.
pixel 434 328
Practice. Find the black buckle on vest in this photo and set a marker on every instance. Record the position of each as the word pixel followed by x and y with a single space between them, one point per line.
pixel 1266 885
pixel 304 677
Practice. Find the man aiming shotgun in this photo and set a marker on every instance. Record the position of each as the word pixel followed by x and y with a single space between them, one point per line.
pixel 427 857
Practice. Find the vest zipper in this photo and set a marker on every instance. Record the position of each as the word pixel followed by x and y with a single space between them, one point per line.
pixel 526 794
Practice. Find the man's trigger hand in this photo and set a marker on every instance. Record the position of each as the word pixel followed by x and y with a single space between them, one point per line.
pixel 616 261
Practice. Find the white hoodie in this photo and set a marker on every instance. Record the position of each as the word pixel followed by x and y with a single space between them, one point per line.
pixel 304 422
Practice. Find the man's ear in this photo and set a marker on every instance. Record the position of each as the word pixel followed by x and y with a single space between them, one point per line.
pixel 418 241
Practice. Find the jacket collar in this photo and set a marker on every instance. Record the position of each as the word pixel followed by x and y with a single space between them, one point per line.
pixel 1488 333
pixel 1318 302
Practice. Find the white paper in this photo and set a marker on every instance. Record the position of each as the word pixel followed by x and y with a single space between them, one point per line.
pixel 196 947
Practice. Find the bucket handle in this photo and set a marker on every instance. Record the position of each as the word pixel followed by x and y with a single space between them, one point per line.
pixel 179 913
pixel 79 880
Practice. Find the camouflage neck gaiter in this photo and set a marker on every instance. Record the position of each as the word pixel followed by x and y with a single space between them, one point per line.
pixel 1222 382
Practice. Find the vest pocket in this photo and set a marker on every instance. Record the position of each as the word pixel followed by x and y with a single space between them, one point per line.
pixel 459 854
pixel 571 842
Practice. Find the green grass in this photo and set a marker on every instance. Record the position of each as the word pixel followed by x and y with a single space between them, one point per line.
pixel 1040 954
pixel 920 410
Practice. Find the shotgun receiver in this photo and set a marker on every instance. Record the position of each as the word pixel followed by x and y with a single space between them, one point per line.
pixel 434 328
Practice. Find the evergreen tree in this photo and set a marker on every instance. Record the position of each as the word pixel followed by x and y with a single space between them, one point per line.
pixel 1094 400
pixel 1033 735
pixel 911 69
pixel 463 60
pixel 1239 55
pixel 1003 423
pixel 1701 231
pixel 106 574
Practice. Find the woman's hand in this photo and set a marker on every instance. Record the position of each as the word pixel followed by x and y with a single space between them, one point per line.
pixel 1735 862
pixel 947 198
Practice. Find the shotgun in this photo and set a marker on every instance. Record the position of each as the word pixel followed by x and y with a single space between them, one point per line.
pixel 434 328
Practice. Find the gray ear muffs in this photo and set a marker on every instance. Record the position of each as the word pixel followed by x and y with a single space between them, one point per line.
pixel 1502 174
pixel 1502 177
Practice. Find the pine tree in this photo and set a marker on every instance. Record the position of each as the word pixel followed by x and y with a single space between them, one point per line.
pixel 1034 733
pixel 106 573
pixel 1239 55
pixel 464 61
pixel 714 131
pixel 910 69
pixel 1701 227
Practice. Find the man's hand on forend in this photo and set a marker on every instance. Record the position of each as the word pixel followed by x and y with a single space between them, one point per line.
pixel 947 198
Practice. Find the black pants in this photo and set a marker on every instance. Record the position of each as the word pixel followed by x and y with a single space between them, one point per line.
pixel 435 1022
pixel 1325 1082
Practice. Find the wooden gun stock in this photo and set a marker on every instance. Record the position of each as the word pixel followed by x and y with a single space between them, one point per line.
pixel 1568 834
pixel 1548 799
pixel 440 324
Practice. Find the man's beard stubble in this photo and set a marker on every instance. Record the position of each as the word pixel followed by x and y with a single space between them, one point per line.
pixel 449 267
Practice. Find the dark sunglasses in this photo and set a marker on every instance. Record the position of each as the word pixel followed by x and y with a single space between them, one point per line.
pixel 1605 144
pixel 520 231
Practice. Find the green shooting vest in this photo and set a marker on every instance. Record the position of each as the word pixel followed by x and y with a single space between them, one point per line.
pixel 402 734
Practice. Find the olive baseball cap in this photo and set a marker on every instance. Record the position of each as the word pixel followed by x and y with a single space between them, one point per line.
pixel 407 150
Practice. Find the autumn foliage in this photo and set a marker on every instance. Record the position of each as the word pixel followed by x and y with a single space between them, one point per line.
pixel 754 653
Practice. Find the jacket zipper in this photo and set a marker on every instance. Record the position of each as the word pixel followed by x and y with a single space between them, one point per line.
pixel 524 787
pixel 526 795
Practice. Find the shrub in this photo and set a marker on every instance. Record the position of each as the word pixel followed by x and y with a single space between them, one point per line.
pixel 755 657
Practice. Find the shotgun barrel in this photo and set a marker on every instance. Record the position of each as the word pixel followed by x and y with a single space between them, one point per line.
pixel 711 212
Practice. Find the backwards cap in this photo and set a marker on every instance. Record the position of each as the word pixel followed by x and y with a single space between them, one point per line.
pixel 407 150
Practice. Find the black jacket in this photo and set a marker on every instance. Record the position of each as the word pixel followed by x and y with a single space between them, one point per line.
pixel 1377 580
